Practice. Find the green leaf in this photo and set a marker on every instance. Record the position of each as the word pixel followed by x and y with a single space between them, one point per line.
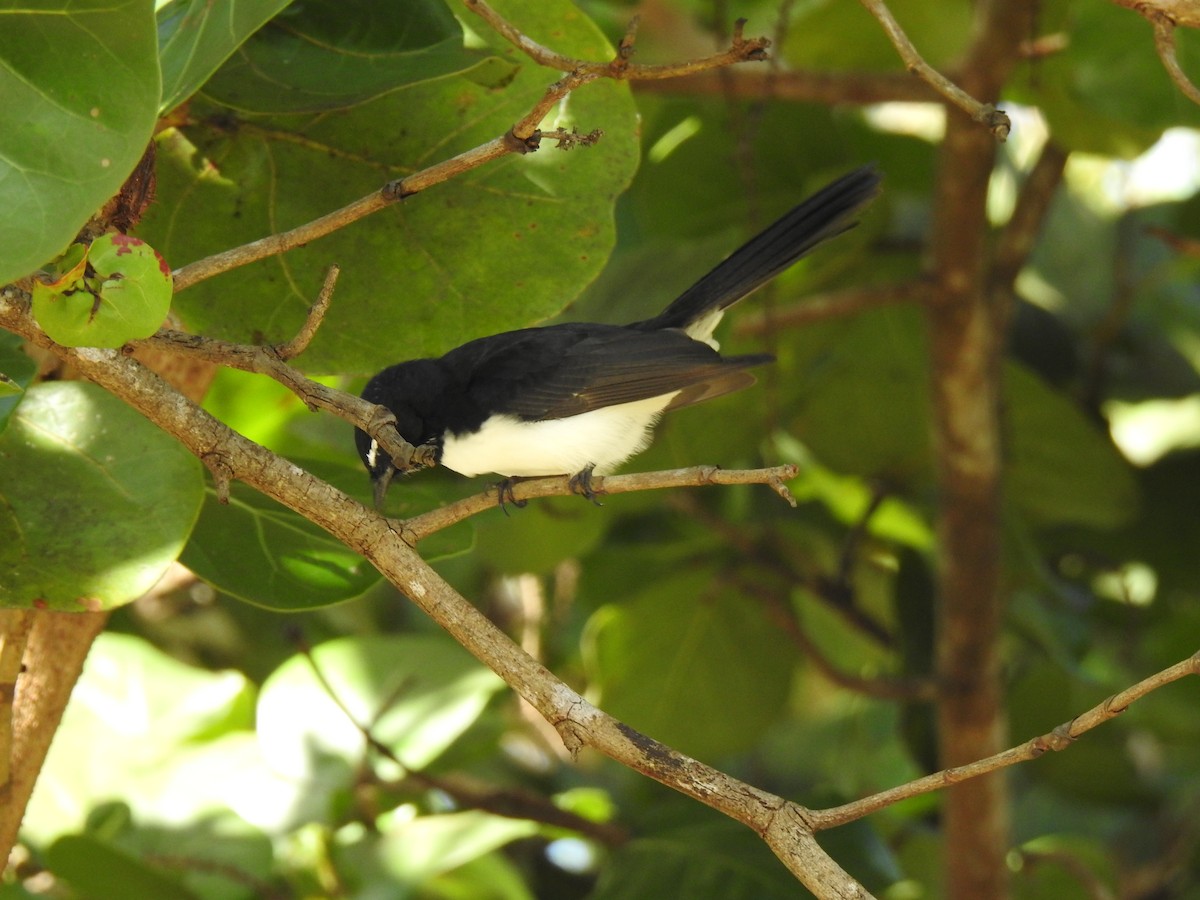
pixel 333 54
pixel 119 292
pixel 85 79
pixel 504 245
pixel 686 654
pixel 95 502
pixel 16 373
pixel 258 551
pixel 861 395
pixel 196 36
pixel 1106 91
pixel 724 861
pixel 834 35
pixel 97 869
pixel 262 552
pixel 417 694
pixel 1061 468
pixel 540 536
pixel 416 851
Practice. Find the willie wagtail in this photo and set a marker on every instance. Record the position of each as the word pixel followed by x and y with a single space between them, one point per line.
pixel 578 398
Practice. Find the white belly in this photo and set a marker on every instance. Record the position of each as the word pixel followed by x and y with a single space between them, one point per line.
pixel 604 438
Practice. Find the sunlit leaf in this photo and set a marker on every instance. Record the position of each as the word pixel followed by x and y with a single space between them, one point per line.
pixel 416 693
pixel 95 502
pixel 138 712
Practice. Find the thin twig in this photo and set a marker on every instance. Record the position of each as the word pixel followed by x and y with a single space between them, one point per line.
pixel 984 113
pixel 741 49
pixel 420 527
pixel 1164 43
pixel 312 321
pixel 1058 739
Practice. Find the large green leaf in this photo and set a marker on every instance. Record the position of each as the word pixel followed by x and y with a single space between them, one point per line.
pixel 256 550
pixel 674 662
pixel 504 245
pixel 95 502
pixel 196 36
pixel 332 54
pixel 80 85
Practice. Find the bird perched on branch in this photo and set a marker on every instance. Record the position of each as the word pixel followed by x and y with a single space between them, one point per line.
pixel 581 398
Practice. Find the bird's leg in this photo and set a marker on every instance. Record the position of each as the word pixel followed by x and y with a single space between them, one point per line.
pixel 581 484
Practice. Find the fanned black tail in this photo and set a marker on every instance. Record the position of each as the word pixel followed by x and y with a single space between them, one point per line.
pixel 826 214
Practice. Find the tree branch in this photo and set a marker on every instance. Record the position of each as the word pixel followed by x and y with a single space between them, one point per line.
pixel 1164 42
pixel 783 825
pixel 984 113
pixel 1056 739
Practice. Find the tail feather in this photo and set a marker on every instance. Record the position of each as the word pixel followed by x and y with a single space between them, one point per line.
pixel 824 215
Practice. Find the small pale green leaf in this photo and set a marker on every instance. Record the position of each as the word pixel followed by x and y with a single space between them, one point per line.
pixel 417 694
pixel 332 54
pixel 691 664
pixel 95 502
pixel 124 296
pixel 196 36
pixel 84 77
pixel 420 849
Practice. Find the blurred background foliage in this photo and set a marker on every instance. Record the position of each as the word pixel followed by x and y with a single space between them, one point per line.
pixel 215 747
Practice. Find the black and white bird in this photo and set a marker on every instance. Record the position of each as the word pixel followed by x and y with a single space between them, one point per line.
pixel 581 398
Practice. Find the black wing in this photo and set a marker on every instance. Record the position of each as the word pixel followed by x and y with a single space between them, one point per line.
pixel 565 370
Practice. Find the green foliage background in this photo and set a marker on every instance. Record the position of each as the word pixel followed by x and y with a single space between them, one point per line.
pixel 202 758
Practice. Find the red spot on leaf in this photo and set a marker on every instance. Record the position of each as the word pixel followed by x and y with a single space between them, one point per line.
pixel 125 244
pixel 162 265
pixel 40 603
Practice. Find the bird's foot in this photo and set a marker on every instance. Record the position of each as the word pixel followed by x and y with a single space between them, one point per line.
pixel 581 484
pixel 504 494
